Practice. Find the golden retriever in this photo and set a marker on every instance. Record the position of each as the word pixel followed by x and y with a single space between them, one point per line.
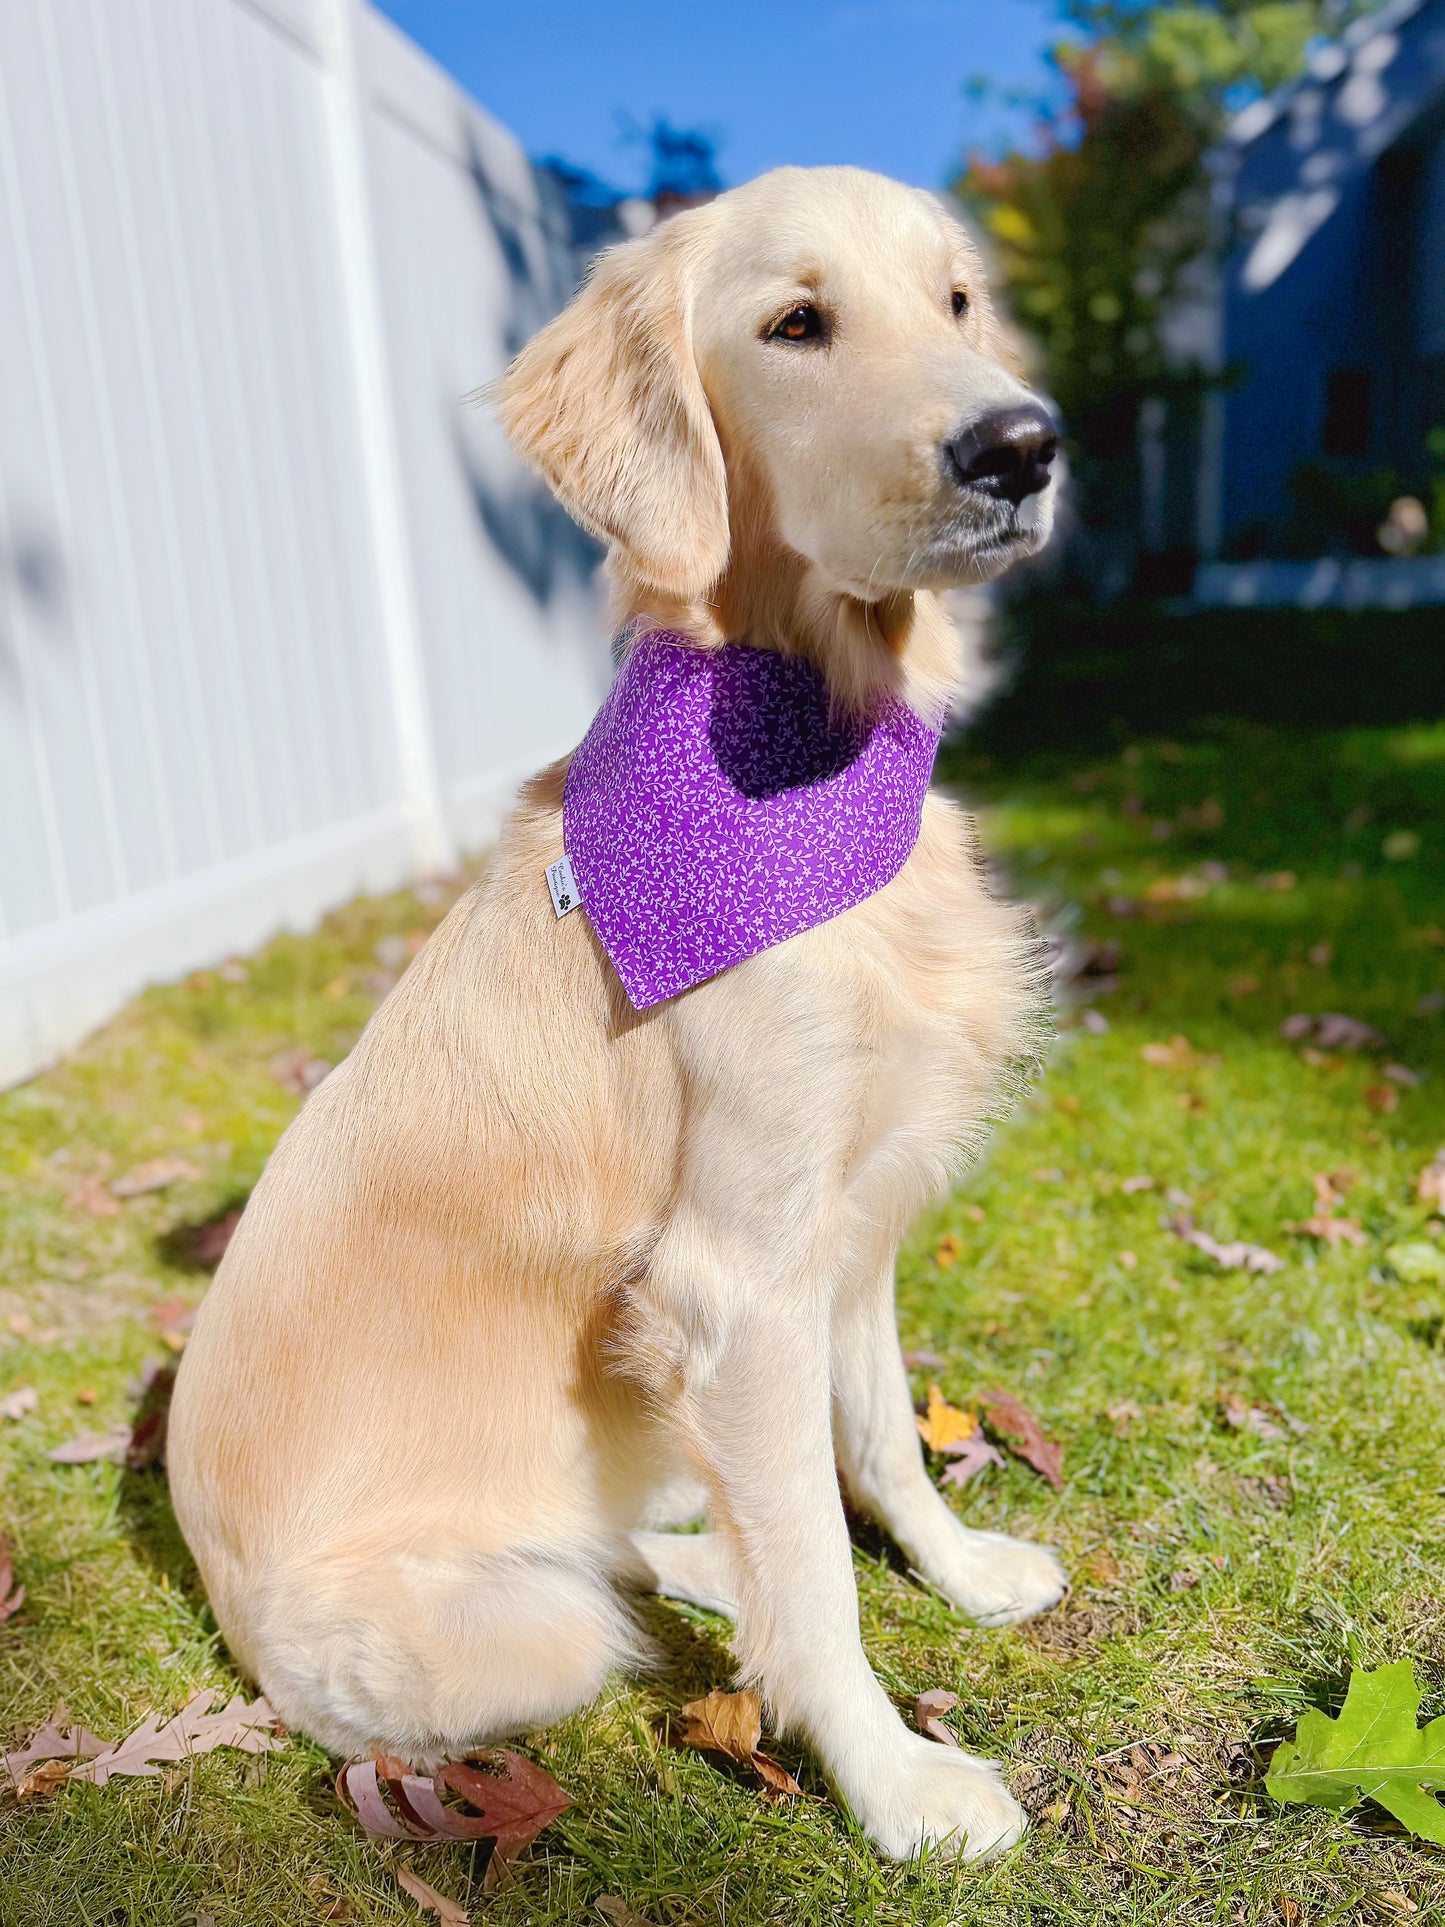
pixel 533 1275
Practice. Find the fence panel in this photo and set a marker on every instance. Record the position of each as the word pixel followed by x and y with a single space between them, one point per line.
pixel 211 608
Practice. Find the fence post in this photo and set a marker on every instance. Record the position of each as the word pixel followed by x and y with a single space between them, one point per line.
pixel 364 322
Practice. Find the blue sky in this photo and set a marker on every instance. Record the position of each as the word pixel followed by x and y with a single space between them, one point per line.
pixel 878 83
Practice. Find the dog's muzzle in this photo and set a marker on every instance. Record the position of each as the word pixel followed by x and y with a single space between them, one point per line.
pixel 1006 455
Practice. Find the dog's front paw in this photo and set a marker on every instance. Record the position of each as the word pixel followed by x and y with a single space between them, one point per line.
pixel 938 1800
pixel 997 1580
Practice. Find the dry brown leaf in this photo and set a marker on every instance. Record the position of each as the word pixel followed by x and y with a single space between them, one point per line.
pixel 513 1804
pixel 12 1597
pixel 967 1459
pixel 90 1446
pixel 450 1912
pixel 195 1729
pixel 16 1404
pixel 156 1174
pixel 1383 1098
pixel 1330 1230
pixel 1237 1255
pixel 1177 1055
pixel 48 1777
pixel 58 1742
pixel 732 1724
pixel 1122 1414
pixel 928 1710
pixel 92 1196
pixel 1132 1186
pixel 299 1072
pixel 924 1360
pixel 1024 1436
pixel 943 1424
pixel 1430 1185
pixel 946 1252
pixel 619 1913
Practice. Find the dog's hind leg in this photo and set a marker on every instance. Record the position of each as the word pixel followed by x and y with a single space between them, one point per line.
pixel 988 1575
pixel 424 1653
pixel 696 1567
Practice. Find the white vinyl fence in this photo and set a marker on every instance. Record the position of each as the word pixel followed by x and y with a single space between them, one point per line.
pixel 280 617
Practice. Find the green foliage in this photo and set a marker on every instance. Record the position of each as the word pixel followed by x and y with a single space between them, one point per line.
pixel 1093 232
pixel 1375 1750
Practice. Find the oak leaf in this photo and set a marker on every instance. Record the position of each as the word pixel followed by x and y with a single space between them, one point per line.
pixel 450 1912
pixel 1024 1436
pixel 943 1424
pixel 56 1741
pixel 732 1724
pixel 12 1597
pixel 967 1458
pixel 90 1446
pixel 1237 1255
pixel 156 1174
pixel 928 1710
pixel 1374 1750
pixel 16 1404
pixel 195 1729
pixel 513 1804
pixel 1330 1230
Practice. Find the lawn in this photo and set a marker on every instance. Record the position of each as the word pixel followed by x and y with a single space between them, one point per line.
pixel 1253 1464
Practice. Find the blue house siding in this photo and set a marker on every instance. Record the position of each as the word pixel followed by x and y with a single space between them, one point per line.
pixel 1334 285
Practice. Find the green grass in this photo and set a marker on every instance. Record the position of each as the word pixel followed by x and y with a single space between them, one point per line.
pixel 1223 1580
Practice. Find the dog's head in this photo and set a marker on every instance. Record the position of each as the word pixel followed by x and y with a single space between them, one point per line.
pixel 803 381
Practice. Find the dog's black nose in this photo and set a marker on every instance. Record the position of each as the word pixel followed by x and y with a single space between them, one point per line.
pixel 1006 454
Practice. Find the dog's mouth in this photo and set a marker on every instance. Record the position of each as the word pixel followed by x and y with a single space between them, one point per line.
pixel 977 543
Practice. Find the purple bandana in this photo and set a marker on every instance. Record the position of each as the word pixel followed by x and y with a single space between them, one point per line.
pixel 714 808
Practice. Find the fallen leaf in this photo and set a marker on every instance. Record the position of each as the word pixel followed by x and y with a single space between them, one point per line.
pixel 619 1913
pixel 1331 1030
pixel 1240 1416
pixel 48 1777
pixel 1183 1581
pixel 90 1446
pixel 944 1424
pixel 157 1174
pixel 1321 955
pixel 945 1255
pixel 1383 1098
pixel 57 1741
pixel 1330 1230
pixel 928 1710
pixel 23 1399
pixel 87 1395
pixel 1234 1256
pixel 10 1600
pixel 1374 1750
pixel 1129 1260
pixel 147 1443
pixel 195 1729
pixel 1122 1414
pixel 513 1804
pixel 1024 1436
pixel 923 1361
pixel 1402 1075
pixel 173 1315
pixel 1177 1054
pixel 451 1912
pixel 299 1072
pixel 92 1195
pixel 1289 1911
pixel 1401 1902
pixel 732 1724
pixel 1430 1185
pixel 967 1458
pixel 1132 1186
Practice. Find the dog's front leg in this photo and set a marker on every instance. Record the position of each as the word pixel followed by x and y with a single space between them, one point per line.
pixel 754 1374
pixel 987 1574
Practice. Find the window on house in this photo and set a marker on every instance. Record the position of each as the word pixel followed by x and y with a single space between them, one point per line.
pixel 1347 411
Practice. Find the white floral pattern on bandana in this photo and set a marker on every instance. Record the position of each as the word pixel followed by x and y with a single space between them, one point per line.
pixel 715 808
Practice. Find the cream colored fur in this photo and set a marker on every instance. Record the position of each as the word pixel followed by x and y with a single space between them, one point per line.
pixel 533 1276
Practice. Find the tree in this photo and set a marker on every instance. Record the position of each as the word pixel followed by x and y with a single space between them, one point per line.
pixel 1094 232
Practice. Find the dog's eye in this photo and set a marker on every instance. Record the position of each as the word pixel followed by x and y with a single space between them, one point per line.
pixel 803 323
pixel 960 301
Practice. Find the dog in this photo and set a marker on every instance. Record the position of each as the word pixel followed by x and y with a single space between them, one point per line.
pixel 536 1275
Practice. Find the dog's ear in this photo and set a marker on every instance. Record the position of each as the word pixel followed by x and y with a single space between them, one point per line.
pixel 607 402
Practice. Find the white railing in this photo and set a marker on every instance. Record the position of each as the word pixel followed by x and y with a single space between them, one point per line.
pixel 280 617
